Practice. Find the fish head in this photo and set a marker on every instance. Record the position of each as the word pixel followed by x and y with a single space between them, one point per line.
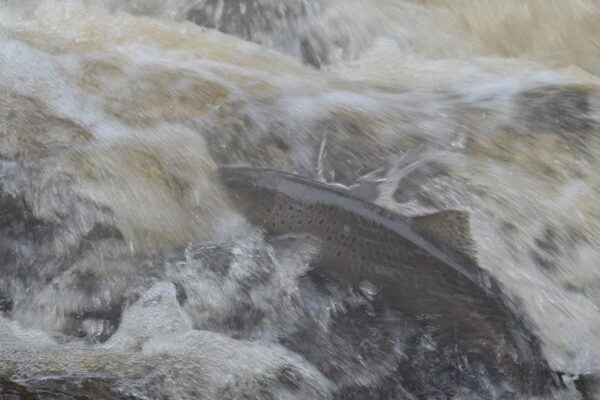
pixel 250 192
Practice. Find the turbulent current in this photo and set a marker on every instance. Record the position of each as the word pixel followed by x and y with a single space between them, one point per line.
pixel 127 273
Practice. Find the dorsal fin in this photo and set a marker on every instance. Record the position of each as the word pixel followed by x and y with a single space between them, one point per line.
pixel 450 227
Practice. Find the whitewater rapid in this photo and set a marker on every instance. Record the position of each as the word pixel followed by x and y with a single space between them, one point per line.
pixel 122 262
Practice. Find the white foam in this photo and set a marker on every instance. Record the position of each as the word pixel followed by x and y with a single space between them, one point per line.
pixel 156 312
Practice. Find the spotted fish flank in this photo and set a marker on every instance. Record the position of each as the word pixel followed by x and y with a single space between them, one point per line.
pixel 421 265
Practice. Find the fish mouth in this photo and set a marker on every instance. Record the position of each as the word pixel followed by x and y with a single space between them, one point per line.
pixel 249 189
pixel 236 183
pixel 238 179
pixel 235 176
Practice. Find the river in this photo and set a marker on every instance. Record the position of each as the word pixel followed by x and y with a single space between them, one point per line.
pixel 126 273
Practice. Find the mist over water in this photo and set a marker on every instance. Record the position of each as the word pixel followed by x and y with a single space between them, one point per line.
pixel 125 272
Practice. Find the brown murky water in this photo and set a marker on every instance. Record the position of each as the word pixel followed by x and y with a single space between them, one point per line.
pixel 125 272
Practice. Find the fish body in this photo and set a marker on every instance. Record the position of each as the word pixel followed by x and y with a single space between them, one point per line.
pixel 419 264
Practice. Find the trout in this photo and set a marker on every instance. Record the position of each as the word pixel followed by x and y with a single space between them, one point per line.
pixel 423 266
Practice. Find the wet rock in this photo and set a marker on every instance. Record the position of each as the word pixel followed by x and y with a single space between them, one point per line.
pixel 557 109
pixel 50 248
pixel 94 325
pixel 71 388
pixel 36 257
pixel 271 23
pixel 244 19
pixel 13 391
pixel 589 386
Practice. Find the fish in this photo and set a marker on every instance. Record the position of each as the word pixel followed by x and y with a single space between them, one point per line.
pixel 423 266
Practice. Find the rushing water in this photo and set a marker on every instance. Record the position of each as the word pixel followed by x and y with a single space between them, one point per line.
pixel 126 273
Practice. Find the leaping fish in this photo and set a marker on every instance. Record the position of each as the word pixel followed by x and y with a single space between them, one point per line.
pixel 422 265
